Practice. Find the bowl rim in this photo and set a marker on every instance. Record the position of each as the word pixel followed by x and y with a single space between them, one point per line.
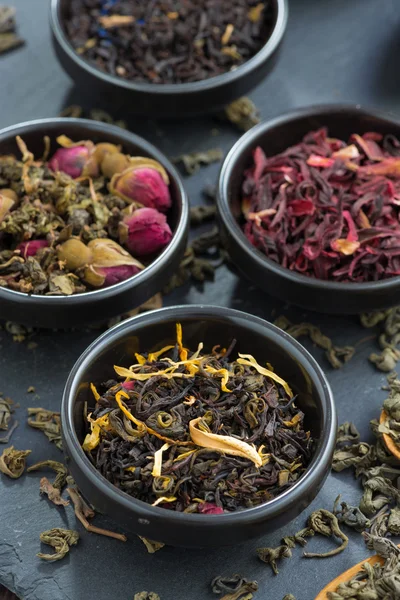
pixel 254 63
pixel 158 263
pixel 320 461
pixel 250 138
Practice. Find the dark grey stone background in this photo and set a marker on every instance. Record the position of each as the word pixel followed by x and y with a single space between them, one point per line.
pixel 334 51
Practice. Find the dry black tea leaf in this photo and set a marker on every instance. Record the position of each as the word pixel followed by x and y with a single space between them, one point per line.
pixel 83 512
pixel 336 355
pixel 242 113
pixel 61 540
pixel 235 587
pixel 168 42
pixel 47 421
pixel 272 555
pixel 146 596
pixel 12 462
pixel 194 160
pixel 53 493
pixel 151 546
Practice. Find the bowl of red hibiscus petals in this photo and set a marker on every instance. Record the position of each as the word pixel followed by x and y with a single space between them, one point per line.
pixel 93 221
pixel 309 205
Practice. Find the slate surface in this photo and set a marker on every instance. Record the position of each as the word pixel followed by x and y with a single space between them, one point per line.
pixel 334 52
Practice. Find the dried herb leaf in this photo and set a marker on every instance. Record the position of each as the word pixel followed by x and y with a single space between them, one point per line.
pixel 12 462
pixel 61 540
pixel 243 113
pixel 83 512
pixel 52 492
pixel 325 523
pixel 151 546
pixel 47 421
pixel 146 596
pixel 194 160
pixel 271 555
pixel 235 587
pixel 347 433
pixel 336 355
pixel 350 516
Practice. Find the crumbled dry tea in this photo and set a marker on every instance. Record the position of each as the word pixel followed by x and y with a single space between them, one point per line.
pixel 151 546
pixel 47 421
pixel 61 540
pixel 146 596
pixel 168 42
pixel 31 389
pixel 242 113
pixel 194 160
pixel 235 587
pixel 8 38
pixel 380 580
pixel 87 218
pixel 12 462
pixel 336 355
pixel 83 512
pixel 388 339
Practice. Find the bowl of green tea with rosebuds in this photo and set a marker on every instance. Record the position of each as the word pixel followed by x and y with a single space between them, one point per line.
pixel 93 222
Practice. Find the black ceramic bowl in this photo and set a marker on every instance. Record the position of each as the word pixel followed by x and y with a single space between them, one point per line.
pixel 275 136
pixel 98 305
pixel 212 325
pixel 173 100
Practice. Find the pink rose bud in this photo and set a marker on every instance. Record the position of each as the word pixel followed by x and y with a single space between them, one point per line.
pixel 75 159
pixel 145 231
pixel 31 247
pixel 70 160
pixel 106 276
pixel 128 385
pixel 145 181
pixel 207 508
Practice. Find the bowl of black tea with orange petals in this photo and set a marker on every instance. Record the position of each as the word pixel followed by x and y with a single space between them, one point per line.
pixel 198 425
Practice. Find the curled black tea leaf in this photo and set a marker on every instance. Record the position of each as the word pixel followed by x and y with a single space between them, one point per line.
pixel 61 540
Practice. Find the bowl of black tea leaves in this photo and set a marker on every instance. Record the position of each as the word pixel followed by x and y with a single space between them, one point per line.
pixel 198 426
pixel 169 58
pixel 310 211
pixel 93 221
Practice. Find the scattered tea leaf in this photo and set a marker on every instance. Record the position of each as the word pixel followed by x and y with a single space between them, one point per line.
pixel 146 596
pixel 31 389
pixel 389 338
pixel 6 438
pixel 61 540
pixel 83 512
pixel 347 433
pixel 243 113
pixel 324 522
pixel 47 421
pixel 53 493
pixel 202 213
pixel 151 546
pixel 336 355
pixel 6 409
pixel 272 555
pixel 235 587
pixel 350 516
pixel 194 160
pixel 59 468
pixel 8 37
pixel 289 597
pixel 12 462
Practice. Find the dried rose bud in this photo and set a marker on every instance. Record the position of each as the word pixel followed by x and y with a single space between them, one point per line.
pixel 145 181
pixel 144 231
pixel 31 247
pixel 114 163
pixel 104 149
pixel 207 508
pixel 75 159
pixel 110 263
pixel 6 204
pixel 74 253
pixel 9 193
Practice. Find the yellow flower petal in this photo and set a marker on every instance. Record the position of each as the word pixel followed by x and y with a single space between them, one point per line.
pixel 250 361
pixel 95 392
pixel 222 443
pixel 164 499
pixel 182 351
pixel 92 439
pixel 156 472
pixel 140 358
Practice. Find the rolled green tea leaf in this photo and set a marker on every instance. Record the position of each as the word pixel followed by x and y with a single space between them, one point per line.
pixel 61 540
pixel 12 462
